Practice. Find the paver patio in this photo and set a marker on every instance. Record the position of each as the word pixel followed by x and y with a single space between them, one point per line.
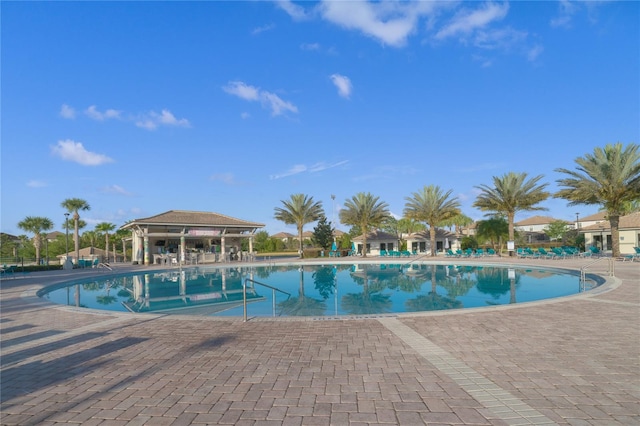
pixel 572 361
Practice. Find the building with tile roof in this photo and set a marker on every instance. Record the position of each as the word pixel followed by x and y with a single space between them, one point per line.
pixel 599 234
pixel 205 236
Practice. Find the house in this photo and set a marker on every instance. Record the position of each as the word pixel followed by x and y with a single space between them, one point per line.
pixel 599 234
pixel 376 241
pixel 420 242
pixel 583 222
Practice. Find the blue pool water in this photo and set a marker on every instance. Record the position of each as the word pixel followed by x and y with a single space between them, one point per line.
pixel 317 290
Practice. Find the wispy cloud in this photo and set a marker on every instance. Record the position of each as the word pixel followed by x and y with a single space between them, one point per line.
pixel 565 14
pixel 467 21
pixel 115 189
pixel 269 100
pixel 75 152
pixel 302 168
pixel 262 29
pixel 67 112
pixel 149 120
pixel 481 167
pixel 310 46
pixel 226 178
pixel 152 120
pixel 93 113
pixel 296 12
pixel 343 84
pixel 37 184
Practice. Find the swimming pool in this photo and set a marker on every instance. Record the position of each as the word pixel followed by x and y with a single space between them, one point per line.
pixel 317 290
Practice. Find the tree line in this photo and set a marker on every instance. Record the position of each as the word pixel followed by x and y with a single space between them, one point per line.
pixel 609 178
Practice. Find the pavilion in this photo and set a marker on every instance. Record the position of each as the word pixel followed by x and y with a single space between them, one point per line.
pixel 180 236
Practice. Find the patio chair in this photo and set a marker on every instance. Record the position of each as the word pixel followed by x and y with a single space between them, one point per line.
pixel 559 253
pixel 545 254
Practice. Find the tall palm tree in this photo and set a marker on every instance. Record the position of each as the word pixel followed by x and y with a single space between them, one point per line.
pixel 105 228
pixel 91 236
pixel 36 225
pixel 74 205
pixel 609 177
pixel 433 207
pixel 299 210
pixel 365 211
pixel 458 221
pixel 512 192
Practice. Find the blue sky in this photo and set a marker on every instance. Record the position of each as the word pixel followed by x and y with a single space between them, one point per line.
pixel 231 107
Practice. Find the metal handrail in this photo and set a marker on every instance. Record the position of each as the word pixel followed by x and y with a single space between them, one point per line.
pixel 273 294
pixel 610 269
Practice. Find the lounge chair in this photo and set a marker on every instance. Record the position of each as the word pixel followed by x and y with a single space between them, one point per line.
pixel 532 254
pixel 559 253
pixel 478 253
pixel 595 251
pixel 545 254
pixel 383 253
pixel 450 253
pixel 491 252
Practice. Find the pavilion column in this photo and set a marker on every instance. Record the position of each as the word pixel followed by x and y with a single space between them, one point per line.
pixel 222 249
pixel 182 249
pixel 250 245
pixel 146 249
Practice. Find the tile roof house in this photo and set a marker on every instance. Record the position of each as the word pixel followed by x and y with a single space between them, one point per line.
pixel 214 236
pixel 599 234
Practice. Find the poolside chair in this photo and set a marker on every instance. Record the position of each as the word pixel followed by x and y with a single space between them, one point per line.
pixel 559 253
pixel 595 251
pixel 491 252
pixel 545 254
pixel 532 254
pixel 383 253
pixel 7 271
pixel 450 253
pixel 478 253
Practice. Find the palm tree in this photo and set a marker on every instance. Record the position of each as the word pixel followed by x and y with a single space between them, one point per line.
pixel 91 236
pixel 433 207
pixel 512 192
pixel 105 227
pixel 458 221
pixel 609 177
pixel 299 211
pixel 36 225
pixel 365 211
pixel 74 205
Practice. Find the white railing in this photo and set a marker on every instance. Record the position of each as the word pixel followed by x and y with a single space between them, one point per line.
pixel 610 268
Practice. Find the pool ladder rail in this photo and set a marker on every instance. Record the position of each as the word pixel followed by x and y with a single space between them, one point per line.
pixel 273 296
pixel 583 270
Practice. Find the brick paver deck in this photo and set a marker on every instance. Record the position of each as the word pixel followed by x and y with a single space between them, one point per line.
pixel 573 361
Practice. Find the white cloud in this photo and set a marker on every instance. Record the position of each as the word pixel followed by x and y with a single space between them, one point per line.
pixel 296 12
pixel 242 90
pixel 262 29
pixel 534 52
pixel 37 184
pixel 466 21
pixel 277 105
pixel 567 10
pixel 92 112
pixel 67 112
pixel 389 22
pixel 301 168
pixel 245 115
pixel 343 84
pixel 75 152
pixel 152 120
pixel 115 189
pixel 310 46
